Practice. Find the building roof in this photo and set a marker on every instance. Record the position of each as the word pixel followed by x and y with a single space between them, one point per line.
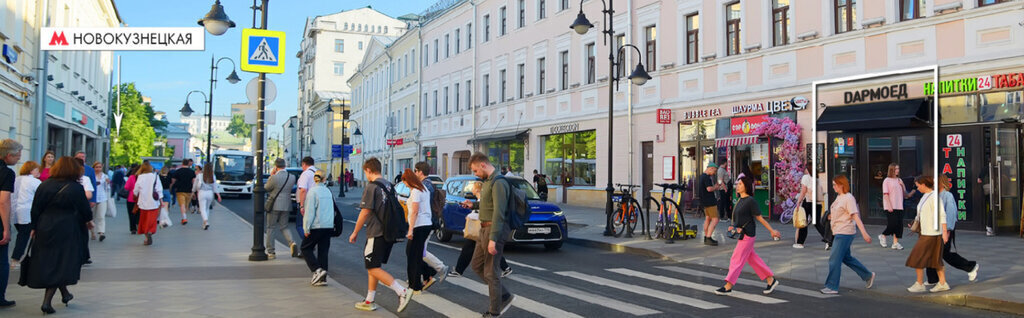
pixel 331 95
pixel 176 129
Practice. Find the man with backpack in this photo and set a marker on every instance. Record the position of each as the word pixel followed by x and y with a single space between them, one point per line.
pixel 437 201
pixel 493 204
pixel 383 228
pixel 541 181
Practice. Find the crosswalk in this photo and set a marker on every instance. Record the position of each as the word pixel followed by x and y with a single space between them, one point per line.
pixel 619 292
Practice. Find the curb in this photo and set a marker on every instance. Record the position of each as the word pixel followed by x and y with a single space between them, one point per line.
pixel 962 300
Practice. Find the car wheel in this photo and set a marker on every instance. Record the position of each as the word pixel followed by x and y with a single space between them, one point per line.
pixel 552 246
pixel 442 234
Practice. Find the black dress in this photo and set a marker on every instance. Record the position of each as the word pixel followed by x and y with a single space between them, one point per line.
pixel 61 237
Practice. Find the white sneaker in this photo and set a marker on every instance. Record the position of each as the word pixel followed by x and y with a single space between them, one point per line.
pixel 366 306
pixel 404 300
pixel 881 241
pixel 897 246
pixel 871 281
pixel 973 274
pixel 917 288
pixel 798 246
pixel 940 287
pixel 442 274
pixel 318 275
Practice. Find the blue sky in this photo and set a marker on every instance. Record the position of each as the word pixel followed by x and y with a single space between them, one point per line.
pixel 168 76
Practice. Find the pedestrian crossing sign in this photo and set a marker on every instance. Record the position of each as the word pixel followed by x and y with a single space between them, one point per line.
pixel 262 51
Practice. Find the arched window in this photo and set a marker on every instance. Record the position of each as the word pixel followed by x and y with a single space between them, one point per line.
pixel 346 26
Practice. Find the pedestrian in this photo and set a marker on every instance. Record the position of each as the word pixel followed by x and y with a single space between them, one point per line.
pixel 747 211
pixel 129 185
pixel 706 190
pixel 893 194
pixel 724 201
pixel 422 170
pixel 165 204
pixel 99 211
pixel 117 181
pixel 927 252
pixel 469 246
pixel 377 249
pixel 319 227
pixel 182 182
pixel 172 200
pixel 953 258
pixel 48 159
pixel 541 182
pixel 493 206
pixel 421 275
pixel 845 218
pixel 10 154
pixel 91 173
pixel 206 188
pixel 805 200
pixel 279 205
pixel 302 186
pixel 25 186
pixel 148 192
pixel 61 218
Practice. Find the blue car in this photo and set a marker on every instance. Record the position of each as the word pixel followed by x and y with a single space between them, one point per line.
pixel 547 224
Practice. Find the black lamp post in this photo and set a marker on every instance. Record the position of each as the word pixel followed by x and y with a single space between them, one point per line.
pixel 639 77
pixel 187 111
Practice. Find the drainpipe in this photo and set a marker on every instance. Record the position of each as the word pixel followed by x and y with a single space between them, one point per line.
pixel 39 116
pixel 391 120
pixel 419 83
pixel 475 75
pixel 629 90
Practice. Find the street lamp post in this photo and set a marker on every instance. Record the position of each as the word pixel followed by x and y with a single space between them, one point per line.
pixel 187 111
pixel 639 77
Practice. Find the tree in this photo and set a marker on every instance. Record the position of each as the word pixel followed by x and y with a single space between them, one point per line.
pixel 136 137
pixel 238 127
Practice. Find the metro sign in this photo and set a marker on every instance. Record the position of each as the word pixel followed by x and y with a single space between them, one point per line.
pixel 58 39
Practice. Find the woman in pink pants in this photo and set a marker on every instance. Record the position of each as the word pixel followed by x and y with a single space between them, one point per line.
pixel 744 214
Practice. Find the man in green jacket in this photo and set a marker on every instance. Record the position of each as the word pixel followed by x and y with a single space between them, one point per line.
pixel 493 205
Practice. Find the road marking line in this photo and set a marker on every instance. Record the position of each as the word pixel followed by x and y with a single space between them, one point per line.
pixel 683 300
pixel 783 288
pixel 443 306
pixel 696 286
pixel 585 296
pixel 520 301
pixel 537 268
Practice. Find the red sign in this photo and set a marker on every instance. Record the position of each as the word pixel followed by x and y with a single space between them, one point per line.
pixel 664 116
pixel 954 140
pixel 396 142
pixel 746 125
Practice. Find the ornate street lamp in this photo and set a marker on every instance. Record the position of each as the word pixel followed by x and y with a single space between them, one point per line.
pixel 216 21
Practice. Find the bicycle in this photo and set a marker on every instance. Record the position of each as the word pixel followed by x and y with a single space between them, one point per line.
pixel 670 225
pixel 628 211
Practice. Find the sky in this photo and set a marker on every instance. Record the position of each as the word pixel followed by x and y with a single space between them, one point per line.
pixel 167 77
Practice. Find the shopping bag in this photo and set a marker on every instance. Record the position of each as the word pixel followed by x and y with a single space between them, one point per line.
pixel 800 218
pixel 472 228
pixel 164 220
pixel 111 209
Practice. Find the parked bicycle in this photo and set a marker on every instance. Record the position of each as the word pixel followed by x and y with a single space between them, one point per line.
pixel 628 211
pixel 670 225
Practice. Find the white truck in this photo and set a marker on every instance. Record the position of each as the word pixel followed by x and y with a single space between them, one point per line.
pixel 235 172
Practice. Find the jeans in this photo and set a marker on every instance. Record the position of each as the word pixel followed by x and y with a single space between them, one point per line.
pixel 416 267
pixel 841 255
pixel 277 221
pixel 99 216
pixel 320 239
pixel 952 258
pixel 205 201
pixel 486 266
pixel 23 235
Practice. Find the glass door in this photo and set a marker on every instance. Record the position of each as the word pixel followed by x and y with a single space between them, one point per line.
pixel 1007 158
pixel 909 150
pixel 880 155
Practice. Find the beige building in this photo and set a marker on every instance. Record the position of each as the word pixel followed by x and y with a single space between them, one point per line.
pixel 20 44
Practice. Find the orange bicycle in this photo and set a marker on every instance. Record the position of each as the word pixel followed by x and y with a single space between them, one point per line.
pixel 628 211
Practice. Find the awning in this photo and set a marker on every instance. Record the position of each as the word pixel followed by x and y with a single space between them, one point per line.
pixel 736 141
pixel 510 135
pixel 894 114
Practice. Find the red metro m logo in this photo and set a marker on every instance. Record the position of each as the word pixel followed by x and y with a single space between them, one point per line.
pixel 58 39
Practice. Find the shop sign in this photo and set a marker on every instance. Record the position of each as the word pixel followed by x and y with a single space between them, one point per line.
pixel 396 142
pixel 775 106
pixel 749 108
pixel 980 83
pixel 703 113
pixel 664 116
pixel 565 128
pixel 954 165
pixel 746 125
pixel 881 93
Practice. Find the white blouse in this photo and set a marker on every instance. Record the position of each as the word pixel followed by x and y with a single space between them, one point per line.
pixel 24 192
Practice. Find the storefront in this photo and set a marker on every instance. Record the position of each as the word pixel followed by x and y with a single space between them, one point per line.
pixel 504 149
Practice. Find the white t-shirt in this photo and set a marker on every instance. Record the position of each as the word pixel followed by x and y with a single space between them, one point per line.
pixel 423 198
pixel 808 182
pixel 86 183
pixel 306 179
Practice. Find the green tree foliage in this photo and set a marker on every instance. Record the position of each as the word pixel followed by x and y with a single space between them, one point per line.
pixel 136 137
pixel 239 128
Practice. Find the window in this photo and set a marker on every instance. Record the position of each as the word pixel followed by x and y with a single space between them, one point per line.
pixel 564 5
pixel 522 13
pixel 446 110
pixel 651 38
pixel 413 62
pixel 563 58
pixel 426 54
pixel 504 30
pixel 522 79
pixel 502 87
pixel 385 29
pixel 339 68
pixel 456 99
pixel 692 33
pixel 339 46
pixel 447 45
pixel 469 94
pixel 458 43
pixel 360 45
pixel 732 28
pixel 436 51
pixel 487 27
pixel 540 76
pixel 541 10
pixel 620 68
pixel 487 89
pixel 469 36
pixel 845 14
pixel 911 9
pixel 346 26
pixel 982 3
pixel 780 22
pixel 591 63
pixel 425 103
pixel 570 158
pixel 437 111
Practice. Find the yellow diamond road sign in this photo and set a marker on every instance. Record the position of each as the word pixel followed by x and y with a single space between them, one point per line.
pixel 262 51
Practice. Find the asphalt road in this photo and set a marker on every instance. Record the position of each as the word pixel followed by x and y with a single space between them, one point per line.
pixel 578 281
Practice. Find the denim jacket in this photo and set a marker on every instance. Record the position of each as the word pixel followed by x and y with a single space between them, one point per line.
pixel 319 209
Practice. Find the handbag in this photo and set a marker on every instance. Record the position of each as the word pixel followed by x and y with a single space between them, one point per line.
pixel 916 226
pixel 269 205
pixel 800 218
pixel 26 263
pixel 472 229
pixel 156 195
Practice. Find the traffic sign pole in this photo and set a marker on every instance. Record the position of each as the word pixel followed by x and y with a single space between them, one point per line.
pixel 259 217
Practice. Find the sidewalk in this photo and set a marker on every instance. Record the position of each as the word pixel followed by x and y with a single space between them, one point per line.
pixel 1000 284
pixel 188 272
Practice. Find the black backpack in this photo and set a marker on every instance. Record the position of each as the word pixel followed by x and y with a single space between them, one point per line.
pixel 437 200
pixel 392 215
pixel 519 210
pixel 339 221
pixel 542 181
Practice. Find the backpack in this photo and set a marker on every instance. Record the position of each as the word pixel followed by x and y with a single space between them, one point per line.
pixel 392 215
pixel 542 182
pixel 339 222
pixel 518 209
pixel 437 200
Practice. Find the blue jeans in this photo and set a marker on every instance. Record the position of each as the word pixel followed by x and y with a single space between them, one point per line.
pixel 841 255
pixel 5 270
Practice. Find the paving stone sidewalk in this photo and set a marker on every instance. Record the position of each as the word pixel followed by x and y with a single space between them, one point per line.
pixel 189 272
pixel 1000 284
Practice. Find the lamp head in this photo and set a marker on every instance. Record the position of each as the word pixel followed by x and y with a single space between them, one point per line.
pixel 581 25
pixel 233 78
pixel 186 110
pixel 357 133
pixel 639 76
pixel 216 21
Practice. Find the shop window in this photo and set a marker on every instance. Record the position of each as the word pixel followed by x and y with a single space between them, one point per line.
pixel 507 154
pixel 958 109
pixel 571 159
pixel 430 156
pixel 698 130
pixel 1001 105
